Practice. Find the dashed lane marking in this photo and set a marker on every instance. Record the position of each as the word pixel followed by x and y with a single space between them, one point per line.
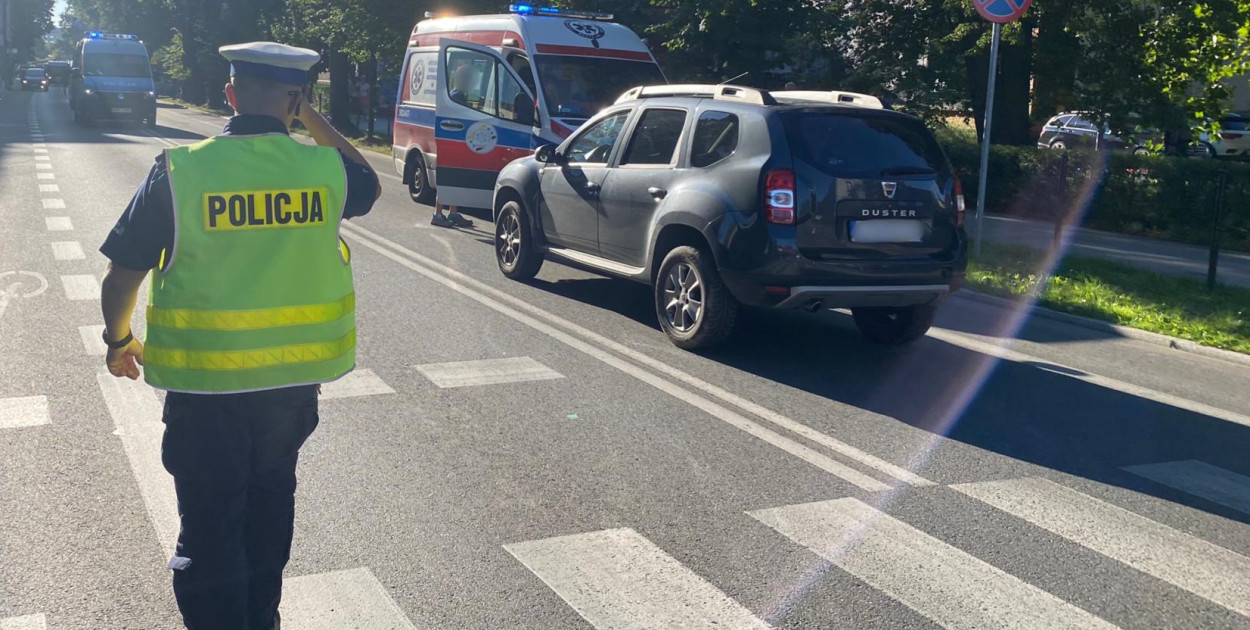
pixel 597 346
pixel 58 224
pixel 1200 479
pixel 487 372
pixel 67 250
pixel 360 382
pixel 29 411
pixel 45 175
pixel 83 287
pixel 49 188
pixel 93 340
pixel 53 204
pixel 43 166
pixel 43 158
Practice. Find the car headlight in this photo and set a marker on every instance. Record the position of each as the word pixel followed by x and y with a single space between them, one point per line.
pixel 88 91
pixel 151 94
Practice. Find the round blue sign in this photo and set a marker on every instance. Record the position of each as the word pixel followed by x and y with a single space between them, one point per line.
pixel 1002 11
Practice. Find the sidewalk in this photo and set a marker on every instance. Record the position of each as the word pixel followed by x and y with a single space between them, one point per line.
pixel 1176 259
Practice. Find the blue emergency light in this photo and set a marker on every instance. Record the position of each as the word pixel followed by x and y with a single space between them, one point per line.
pixel 529 9
pixel 99 35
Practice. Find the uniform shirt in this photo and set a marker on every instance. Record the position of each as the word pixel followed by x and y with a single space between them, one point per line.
pixel 146 228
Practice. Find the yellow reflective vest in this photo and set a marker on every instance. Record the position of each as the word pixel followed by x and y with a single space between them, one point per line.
pixel 257 291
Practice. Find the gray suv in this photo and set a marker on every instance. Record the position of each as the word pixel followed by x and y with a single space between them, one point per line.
pixel 721 196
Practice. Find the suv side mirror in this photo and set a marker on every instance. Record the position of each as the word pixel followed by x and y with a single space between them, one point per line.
pixel 547 154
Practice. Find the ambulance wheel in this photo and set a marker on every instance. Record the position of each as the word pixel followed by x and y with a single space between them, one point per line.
pixel 419 187
pixel 514 243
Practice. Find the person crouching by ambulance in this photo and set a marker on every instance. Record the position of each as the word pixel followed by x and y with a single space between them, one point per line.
pixel 251 308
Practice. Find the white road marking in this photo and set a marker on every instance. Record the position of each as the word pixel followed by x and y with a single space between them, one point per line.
pixel 618 580
pixel 93 340
pixel 67 250
pixel 49 188
pixel 482 293
pixel 29 411
pixel 970 343
pixel 360 382
pixel 43 166
pixel 136 413
pixel 84 287
pixel 340 600
pixel 53 204
pixel 28 622
pixel 1200 479
pixel 1177 558
pixel 58 224
pixel 487 372
pixel 947 585
pixel 42 158
pixel 39 150
pixel 45 175
pixel 39 145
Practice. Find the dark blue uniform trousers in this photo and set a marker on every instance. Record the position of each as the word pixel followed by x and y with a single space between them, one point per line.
pixel 233 461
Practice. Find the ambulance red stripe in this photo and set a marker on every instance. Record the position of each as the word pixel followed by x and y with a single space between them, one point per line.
pixel 585 51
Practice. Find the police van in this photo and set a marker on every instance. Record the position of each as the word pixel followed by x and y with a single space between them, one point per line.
pixel 477 92
pixel 111 79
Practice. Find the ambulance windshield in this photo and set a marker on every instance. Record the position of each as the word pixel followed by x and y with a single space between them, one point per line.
pixel 578 87
pixel 114 65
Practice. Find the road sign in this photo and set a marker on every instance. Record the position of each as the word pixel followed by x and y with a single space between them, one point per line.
pixel 1001 11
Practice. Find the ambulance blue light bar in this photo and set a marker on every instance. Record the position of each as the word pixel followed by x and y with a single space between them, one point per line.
pixel 99 35
pixel 529 9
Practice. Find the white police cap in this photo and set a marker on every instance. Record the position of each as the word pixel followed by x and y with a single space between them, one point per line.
pixel 269 60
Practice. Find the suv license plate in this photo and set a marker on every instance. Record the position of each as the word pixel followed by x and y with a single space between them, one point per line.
pixel 887 231
pixel 121 110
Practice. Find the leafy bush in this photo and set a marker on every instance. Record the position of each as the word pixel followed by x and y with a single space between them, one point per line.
pixel 1161 197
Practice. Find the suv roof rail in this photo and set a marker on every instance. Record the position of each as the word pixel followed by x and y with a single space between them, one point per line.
pixel 841 98
pixel 718 92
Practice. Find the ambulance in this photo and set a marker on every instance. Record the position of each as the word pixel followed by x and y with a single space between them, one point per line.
pixel 479 91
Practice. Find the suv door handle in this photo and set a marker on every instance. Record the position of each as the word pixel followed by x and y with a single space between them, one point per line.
pixel 657 193
pixel 591 189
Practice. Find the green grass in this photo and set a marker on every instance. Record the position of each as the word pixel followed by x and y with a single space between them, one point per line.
pixel 1178 307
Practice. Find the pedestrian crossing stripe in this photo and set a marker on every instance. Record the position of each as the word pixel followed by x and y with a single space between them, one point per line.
pixel 1202 480
pixel 27 622
pixel 617 579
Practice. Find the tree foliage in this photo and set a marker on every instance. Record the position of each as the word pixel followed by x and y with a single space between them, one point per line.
pixel 1157 63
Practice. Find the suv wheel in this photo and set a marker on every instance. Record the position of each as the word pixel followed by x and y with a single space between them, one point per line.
pixel 894 326
pixel 419 181
pixel 1059 145
pixel 514 244
pixel 695 308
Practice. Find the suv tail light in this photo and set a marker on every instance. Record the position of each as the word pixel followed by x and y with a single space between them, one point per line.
pixel 960 206
pixel 779 197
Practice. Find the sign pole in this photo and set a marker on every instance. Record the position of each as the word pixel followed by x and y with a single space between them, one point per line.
pixel 985 137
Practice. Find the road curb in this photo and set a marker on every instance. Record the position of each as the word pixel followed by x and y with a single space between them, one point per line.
pixel 1184 345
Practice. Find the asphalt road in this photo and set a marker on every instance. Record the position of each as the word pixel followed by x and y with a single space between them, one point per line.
pixel 572 469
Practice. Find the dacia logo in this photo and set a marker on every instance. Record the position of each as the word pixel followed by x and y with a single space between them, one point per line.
pixel 264 209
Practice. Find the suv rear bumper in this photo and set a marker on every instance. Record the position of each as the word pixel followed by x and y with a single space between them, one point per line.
pixel 805 283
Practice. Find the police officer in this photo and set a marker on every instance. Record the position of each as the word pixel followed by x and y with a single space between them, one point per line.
pixel 251 308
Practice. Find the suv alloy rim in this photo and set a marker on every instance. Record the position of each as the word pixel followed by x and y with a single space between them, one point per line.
pixel 683 297
pixel 509 239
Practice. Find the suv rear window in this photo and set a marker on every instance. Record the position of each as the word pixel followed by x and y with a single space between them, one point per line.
pixel 846 145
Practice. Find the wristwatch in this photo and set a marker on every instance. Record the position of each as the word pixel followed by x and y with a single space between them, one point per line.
pixel 120 343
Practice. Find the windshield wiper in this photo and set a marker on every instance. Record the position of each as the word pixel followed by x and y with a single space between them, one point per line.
pixel 908 170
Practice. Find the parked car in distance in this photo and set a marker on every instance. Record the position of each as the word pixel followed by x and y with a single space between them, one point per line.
pixel 719 196
pixel 1072 130
pixel 1233 140
pixel 35 79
